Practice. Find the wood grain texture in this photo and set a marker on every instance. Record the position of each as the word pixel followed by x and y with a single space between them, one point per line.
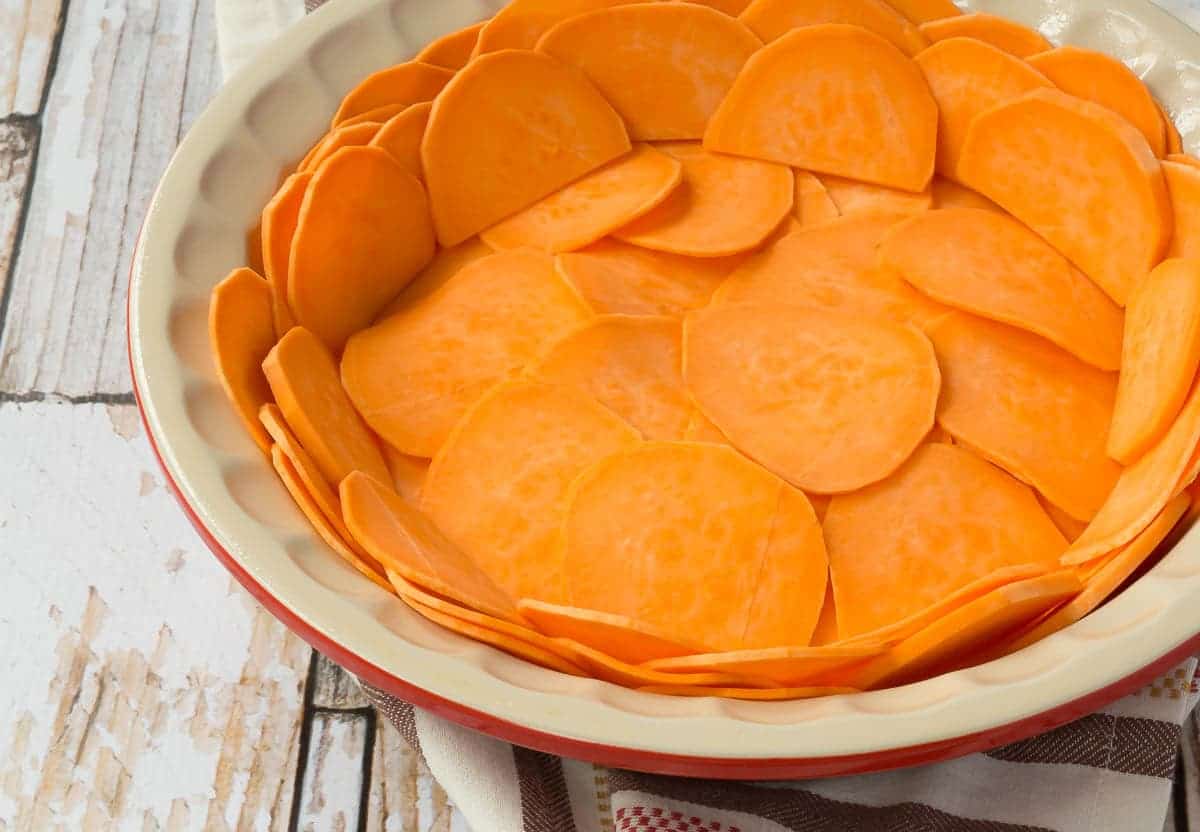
pixel 335 689
pixel 27 29
pixel 403 796
pixel 18 144
pixel 332 789
pixel 131 76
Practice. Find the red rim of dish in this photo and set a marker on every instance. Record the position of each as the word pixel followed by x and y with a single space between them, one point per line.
pixel 729 768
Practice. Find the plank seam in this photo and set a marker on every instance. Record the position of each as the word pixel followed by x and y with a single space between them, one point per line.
pixel 1179 790
pixel 364 800
pixel 34 396
pixel 35 125
pixel 306 724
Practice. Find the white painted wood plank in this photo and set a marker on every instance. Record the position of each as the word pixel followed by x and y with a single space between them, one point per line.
pixel 333 776
pixel 336 689
pixel 17 137
pixel 143 688
pixel 120 95
pixel 404 797
pixel 27 30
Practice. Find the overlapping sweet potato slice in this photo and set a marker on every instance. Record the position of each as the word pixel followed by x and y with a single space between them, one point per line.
pixel 363 233
pixel 619 278
pixel 546 127
pixel 589 208
pixel 990 265
pixel 402 84
pixel 452 50
pixel 521 23
pixel 378 116
pixel 923 11
pixel 1094 76
pixel 945 519
pixel 665 520
pixel 833 266
pixel 851 197
pixel 343 547
pixel 831 402
pixel 351 135
pixel 400 137
pixel 632 365
pixel 785 666
pixel 1183 185
pixel 1173 138
pixel 1094 189
pixel 412 375
pixel 812 204
pixel 611 669
pixel 1107 576
pixel 826 631
pixel 305 384
pixel 969 77
pixel 314 482
pixel 1000 32
pixel 241 331
pixel 1144 488
pixel 944 643
pixel 405 541
pixel 1068 525
pixel 730 7
pixel 497 486
pixel 832 99
pixel 722 206
pixel 664 66
pixel 771 19
pixel 445 264
pixel 617 635
pixel 279 220
pixel 949 194
pixel 1029 407
pixel 1160 359
pixel 749 694
pixel 408 473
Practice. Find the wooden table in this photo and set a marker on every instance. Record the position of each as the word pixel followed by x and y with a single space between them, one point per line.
pixel 146 689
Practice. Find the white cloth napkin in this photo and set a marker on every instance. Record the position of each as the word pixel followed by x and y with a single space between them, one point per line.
pixel 1109 772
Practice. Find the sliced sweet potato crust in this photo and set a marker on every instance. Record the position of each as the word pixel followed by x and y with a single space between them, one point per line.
pixel 786 666
pixel 400 136
pixel 402 84
pixel 1183 185
pixel 851 197
pixel 279 220
pixel 241 331
pixel 521 23
pixel 923 11
pixel 1000 32
pixel 452 50
pixel 771 19
pixel 813 204
pixel 618 636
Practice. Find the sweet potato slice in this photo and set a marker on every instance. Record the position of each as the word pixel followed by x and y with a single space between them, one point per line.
pixel 923 11
pixel 813 204
pixel 968 629
pixel 413 375
pixel 826 631
pixel 345 548
pixel 853 197
pixel 304 381
pixel 404 540
pixel 352 135
pixel 538 654
pixel 617 635
pixel 377 116
pixel 452 50
pixel 240 333
pixel 987 263
pixel 1000 32
pixel 521 24
pixel 1022 403
pixel 834 266
pixel 1098 195
pixel 832 99
pixel 400 137
pixel 254 249
pixel 667 520
pixel 1094 76
pixel 589 208
pixel 618 278
pixel 1068 525
pixel 664 66
pixel 946 519
pixel 546 127
pixel 829 401
pixel 949 194
pixel 730 7
pixel 364 232
pixel 407 83
pixel 771 19
pixel 969 77
pixel 279 220
pixel 632 365
pixel 611 669
pixel 1173 139
pixel 1110 576
pixel 408 473
pixel 786 666
pixel 445 264
pixel 1183 159
pixel 1183 184
pixel 318 488
pixel 497 486
pixel 1144 488
pixel 723 206
pixel 748 694
pixel 1160 359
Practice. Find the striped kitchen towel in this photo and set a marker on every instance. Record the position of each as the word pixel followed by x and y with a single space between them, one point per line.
pixel 1109 772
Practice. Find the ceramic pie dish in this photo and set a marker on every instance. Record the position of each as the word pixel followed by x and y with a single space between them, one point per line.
pixel 225 170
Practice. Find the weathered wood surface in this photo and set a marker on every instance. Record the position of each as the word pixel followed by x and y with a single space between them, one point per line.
pixel 144 688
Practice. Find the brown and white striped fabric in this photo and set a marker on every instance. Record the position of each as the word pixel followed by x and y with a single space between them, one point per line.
pixel 1109 772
